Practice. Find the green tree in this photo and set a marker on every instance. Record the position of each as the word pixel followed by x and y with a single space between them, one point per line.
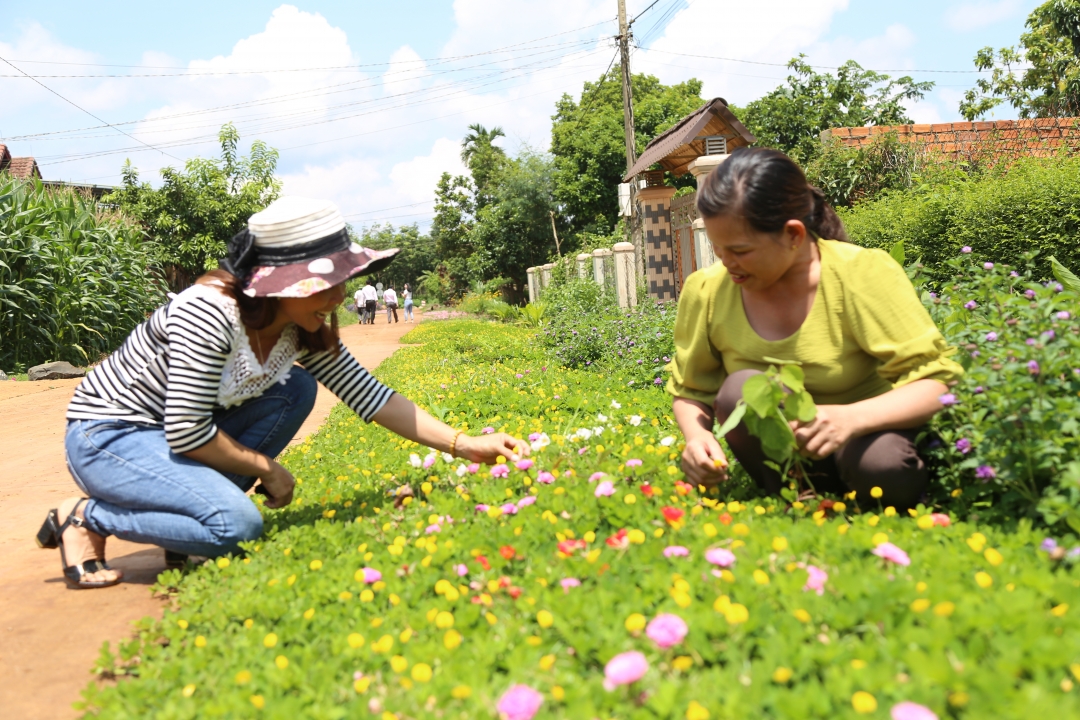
pixel 197 209
pixel 454 211
pixel 483 158
pixel 587 142
pixel 416 258
pixel 792 117
pixel 1042 79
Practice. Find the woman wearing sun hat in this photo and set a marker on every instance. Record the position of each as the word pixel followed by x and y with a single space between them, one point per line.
pixel 170 432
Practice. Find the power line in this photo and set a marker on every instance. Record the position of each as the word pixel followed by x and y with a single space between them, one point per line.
pixel 69 102
pixel 818 67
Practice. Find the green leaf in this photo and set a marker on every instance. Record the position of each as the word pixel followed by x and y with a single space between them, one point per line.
pixel 897 252
pixel 733 419
pixel 801 406
pixel 757 393
pixel 792 377
pixel 1064 275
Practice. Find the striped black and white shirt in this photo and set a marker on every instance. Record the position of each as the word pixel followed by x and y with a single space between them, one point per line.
pixel 192 357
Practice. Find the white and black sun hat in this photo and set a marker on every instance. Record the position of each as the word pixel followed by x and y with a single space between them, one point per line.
pixel 297 247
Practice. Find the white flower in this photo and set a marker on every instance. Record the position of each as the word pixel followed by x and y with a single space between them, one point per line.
pixel 541 442
pixel 635 420
pixel 447 457
pixel 668 441
pixel 461 470
pixel 615 404
pixel 414 460
pixel 601 417
pixel 584 433
pixel 598 430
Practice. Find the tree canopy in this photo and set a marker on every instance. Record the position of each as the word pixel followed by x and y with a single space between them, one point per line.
pixel 417 254
pixel 483 158
pixel 1042 78
pixel 197 209
pixel 792 117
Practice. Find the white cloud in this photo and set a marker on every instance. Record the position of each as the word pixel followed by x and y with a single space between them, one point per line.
pixel 977 15
pixel 416 179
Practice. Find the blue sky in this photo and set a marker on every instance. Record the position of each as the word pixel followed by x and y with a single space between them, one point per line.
pixel 368 101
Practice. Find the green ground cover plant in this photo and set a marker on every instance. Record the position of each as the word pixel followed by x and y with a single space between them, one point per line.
pixel 591 581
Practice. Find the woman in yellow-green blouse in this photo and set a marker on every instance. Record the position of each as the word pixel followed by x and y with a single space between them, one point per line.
pixel 874 362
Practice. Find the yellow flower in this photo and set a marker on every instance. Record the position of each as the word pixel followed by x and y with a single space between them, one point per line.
pixel 635 536
pixel 533 640
pixel 366 595
pixel 451 639
pixel 223 562
pixel 842 529
pixel 557 692
pixel 737 614
pixel 696 711
pixel 959 699
pixel 920 605
pixel 875 492
pixel 244 676
pixel 873 520
pixel 761 577
pixel 361 685
pixel 635 623
pixel 779 544
pixel 1075 670
pixel 282 662
pixel 1059 610
pixel 405 636
pixel 258 701
pixel 740 529
pixel 270 640
pixel 925 522
pixel 879 538
pixel 683 663
pixel 188 690
pixel 863 702
pixel 545 619
pixel 709 529
pixel 547 662
pixel 425 487
pixel 944 609
pixel 976 542
pixel 356 640
pixel 398 664
pixel 452 594
pixel 183 624
pixel 589 536
pixel 444 620
pixel 802 616
pixel 309 613
pixel 461 692
pixel 629 498
pixel 396 549
pixel 781 675
pixel 315 564
pixel 727 576
pixel 682 599
pixel 920 586
pixel 858 664
pixel 594 554
pixel 993 557
pixel 421 672
pixel 890 511
pixel 200 641
pixel 983 580
pixel 658 533
pixel 490 617
pixel 839 507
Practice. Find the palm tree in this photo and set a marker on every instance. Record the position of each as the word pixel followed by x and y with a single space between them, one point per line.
pixel 480 139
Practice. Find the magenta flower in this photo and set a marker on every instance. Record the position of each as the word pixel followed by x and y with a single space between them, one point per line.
pixel 816 580
pixel 526 501
pixel 625 668
pixel 473 468
pixel 429 461
pixel 985 473
pixel 605 489
pixel 720 556
pixel 482 508
pixel 1033 367
pixel 500 471
pixel 518 375
pixel 991 337
pixel 595 476
pixel 947 399
pixel 1063 315
pixel 633 462
pixel 509 509
pixel 461 569
pixel 963 445
pixel 892 553
pixel 520 702
pixel 371 575
pixel 545 477
pixel 533 437
pixel 911 711
pixel 971 305
pixel 432 529
pixel 583 450
pixel 966 249
pixel 1029 294
pixel 675 551
pixel 568 583
pixel 487 430
pixel 523 464
pixel 988 266
pixel 666 630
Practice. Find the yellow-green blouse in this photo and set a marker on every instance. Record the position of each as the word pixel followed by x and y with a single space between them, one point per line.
pixel 867 332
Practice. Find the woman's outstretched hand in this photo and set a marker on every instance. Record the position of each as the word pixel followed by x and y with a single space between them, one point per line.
pixel 833 427
pixel 703 461
pixel 487 448
pixel 280 484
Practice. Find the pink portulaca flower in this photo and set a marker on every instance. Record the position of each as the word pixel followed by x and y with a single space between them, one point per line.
pixel 461 569
pixel 941 519
pixel 675 551
pixel 720 556
pixel 371 575
pixel 595 476
pixel 509 509
pixel 568 583
pixel 520 702
pixel 912 711
pixel 817 579
pixel 432 529
pixel 625 668
pixel 526 501
pixel 429 461
pixel 500 471
pixel 533 437
pixel 666 630
pixel 605 489
pixel 633 462
pixel 473 468
pixel 482 508
pixel 487 430
pixel 523 464
pixel 545 477
pixel 892 553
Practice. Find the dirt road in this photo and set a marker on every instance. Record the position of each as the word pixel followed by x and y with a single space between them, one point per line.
pixel 50 635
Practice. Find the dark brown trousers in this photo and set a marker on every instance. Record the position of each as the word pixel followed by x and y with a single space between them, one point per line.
pixel 888 459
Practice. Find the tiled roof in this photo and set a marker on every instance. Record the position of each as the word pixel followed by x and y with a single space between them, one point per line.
pixel 24 168
pixel 1039 137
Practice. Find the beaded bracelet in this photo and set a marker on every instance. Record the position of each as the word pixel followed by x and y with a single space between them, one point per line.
pixel 453 443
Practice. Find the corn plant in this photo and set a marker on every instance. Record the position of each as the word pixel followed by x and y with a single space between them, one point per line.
pixel 74 281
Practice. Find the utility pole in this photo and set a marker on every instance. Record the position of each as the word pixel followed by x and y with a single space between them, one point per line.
pixel 628 129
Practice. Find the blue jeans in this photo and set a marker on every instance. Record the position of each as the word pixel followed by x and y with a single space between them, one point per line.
pixel 408 310
pixel 142 491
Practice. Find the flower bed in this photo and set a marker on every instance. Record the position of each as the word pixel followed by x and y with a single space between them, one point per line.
pixel 591 582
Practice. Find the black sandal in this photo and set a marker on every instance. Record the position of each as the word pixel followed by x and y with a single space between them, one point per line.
pixel 52 532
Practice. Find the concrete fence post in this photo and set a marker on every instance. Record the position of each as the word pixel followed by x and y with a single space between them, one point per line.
pixel 703 249
pixel 545 273
pixel 625 277
pixel 598 264
pixel 582 262
pixel 533 292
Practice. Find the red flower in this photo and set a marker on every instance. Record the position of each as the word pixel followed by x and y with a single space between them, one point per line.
pixel 648 490
pixel 683 488
pixel 619 540
pixel 504 581
pixel 672 514
pixel 567 547
pixel 515 592
pixel 725 519
pixel 483 562
pixel 826 505
pixel 507 552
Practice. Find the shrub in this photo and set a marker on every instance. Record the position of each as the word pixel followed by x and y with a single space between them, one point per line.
pixel 848 175
pixel 1003 215
pixel 74 281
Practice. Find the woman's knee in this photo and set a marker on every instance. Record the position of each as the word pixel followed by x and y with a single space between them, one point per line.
pixel 731 392
pixel 239 523
pixel 886 460
pixel 302 388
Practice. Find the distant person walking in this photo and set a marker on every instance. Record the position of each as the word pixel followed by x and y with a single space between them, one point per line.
pixel 358 298
pixel 371 300
pixel 406 295
pixel 390 299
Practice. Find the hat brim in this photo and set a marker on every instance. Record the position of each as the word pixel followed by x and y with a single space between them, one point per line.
pixel 304 279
